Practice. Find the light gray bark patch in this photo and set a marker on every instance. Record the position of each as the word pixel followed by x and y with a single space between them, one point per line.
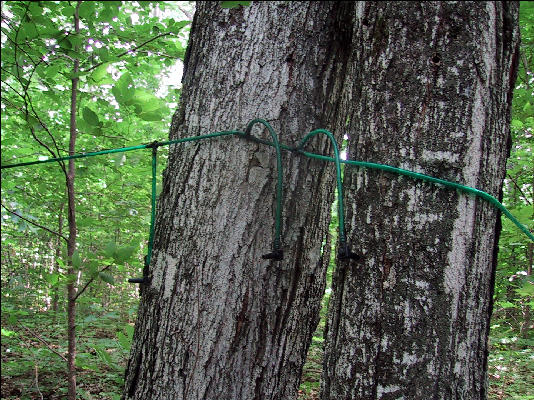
pixel 411 320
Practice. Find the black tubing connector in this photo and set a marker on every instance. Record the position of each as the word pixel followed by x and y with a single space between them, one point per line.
pixel 154 145
pixel 277 254
pixel 145 273
pixel 136 280
pixel 344 252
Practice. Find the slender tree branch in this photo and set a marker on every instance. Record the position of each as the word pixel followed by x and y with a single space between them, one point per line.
pixel 61 163
pixel 186 13
pixel 519 189
pixel 35 223
pixel 37 381
pixel 89 282
pixel 36 335
pixel 11 87
pixel 17 68
pixel 131 50
pixel 18 45
pixel 35 65
pixel 39 199
pixel 32 131
pixel 525 66
pixel 26 98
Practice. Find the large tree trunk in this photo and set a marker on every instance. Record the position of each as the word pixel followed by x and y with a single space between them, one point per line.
pixel 215 320
pixel 431 92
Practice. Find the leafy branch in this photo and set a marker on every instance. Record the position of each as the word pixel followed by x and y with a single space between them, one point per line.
pixel 525 197
pixel 130 50
pixel 39 338
pixel 35 223
pixel 80 292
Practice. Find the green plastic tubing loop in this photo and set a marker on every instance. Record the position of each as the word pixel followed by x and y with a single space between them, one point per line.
pixel 82 155
pixel 363 164
pixel 277 252
pixel 305 139
pixel 153 204
pixel 123 149
pixel 416 175
pixel 344 250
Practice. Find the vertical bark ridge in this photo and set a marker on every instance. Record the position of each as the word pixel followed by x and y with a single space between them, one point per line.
pixel 216 321
pixel 430 92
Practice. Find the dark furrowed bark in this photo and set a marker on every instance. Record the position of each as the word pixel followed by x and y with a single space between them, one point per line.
pixel 216 321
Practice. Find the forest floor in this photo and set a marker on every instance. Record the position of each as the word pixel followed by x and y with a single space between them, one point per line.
pixel 32 368
pixel 510 369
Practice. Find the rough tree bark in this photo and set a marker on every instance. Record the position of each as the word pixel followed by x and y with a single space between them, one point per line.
pixel 71 219
pixel 215 320
pixel 425 86
pixel 430 91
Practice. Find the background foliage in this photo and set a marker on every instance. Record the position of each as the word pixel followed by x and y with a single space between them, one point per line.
pixel 130 55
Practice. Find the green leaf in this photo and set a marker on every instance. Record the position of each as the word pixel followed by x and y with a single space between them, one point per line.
pixel 52 71
pixel 526 290
pixel 123 254
pixel 35 9
pixel 181 24
pixel 151 116
pixel 52 279
pixel 90 117
pixel 12 319
pixel 516 123
pixel 68 11
pixel 28 31
pixel 124 90
pixel 506 304
pixel 234 4
pixel 83 361
pixel 124 341
pixel 117 93
pixel 125 82
pixel 76 260
pixel 110 249
pixel 87 9
pixel 93 267
pixel 6 332
pixel 65 44
pixel 129 331
pixel 147 101
pixel 76 40
pixel 104 356
pixel 100 74
pixel 106 277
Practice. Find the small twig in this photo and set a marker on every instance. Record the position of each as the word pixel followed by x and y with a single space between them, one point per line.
pixel 130 50
pixel 11 87
pixel 89 282
pixel 61 163
pixel 34 334
pixel 525 66
pixel 186 13
pixel 35 223
pixel 519 189
pixel 18 68
pixel 37 382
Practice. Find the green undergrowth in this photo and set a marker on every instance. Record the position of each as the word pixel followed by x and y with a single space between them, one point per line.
pixel 510 369
pixel 31 366
pixel 33 349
